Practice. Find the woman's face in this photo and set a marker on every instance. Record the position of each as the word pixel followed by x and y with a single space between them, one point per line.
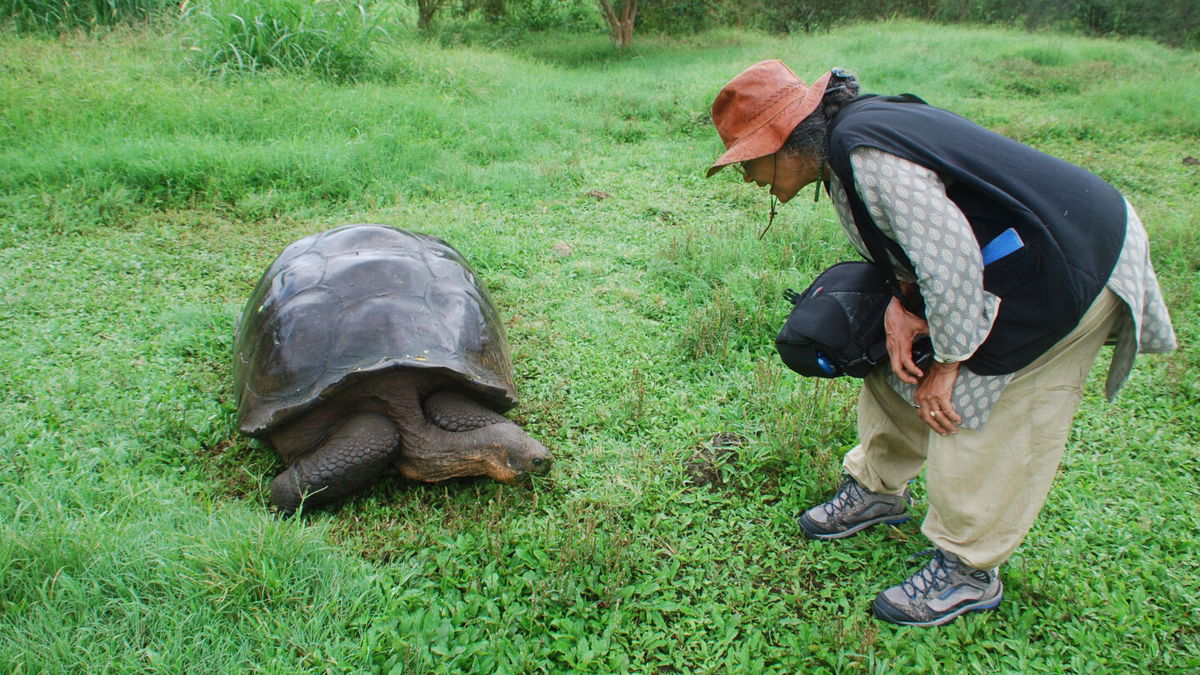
pixel 785 173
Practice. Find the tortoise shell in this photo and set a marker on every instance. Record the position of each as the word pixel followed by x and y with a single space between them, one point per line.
pixel 358 300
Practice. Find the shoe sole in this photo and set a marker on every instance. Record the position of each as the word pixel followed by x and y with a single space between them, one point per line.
pixel 981 606
pixel 823 536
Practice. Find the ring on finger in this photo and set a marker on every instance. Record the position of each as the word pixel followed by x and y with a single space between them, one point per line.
pixel 933 413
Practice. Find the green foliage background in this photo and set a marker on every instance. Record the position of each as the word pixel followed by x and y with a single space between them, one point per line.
pixel 140 200
pixel 254 26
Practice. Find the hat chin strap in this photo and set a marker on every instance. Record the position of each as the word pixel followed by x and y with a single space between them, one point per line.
pixel 770 220
pixel 774 173
pixel 816 193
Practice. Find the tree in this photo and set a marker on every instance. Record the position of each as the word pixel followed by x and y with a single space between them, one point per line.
pixel 620 26
pixel 425 11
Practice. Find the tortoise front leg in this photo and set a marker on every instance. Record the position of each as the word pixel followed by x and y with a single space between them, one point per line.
pixel 357 454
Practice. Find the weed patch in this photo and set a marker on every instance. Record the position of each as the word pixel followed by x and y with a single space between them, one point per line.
pixel 331 38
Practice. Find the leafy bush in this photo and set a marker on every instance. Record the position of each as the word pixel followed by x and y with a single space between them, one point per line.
pixel 62 15
pixel 519 16
pixel 679 16
pixel 1175 22
pixel 1171 21
pixel 330 38
pixel 538 15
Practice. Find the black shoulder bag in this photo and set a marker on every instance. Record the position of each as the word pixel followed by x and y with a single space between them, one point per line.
pixel 836 325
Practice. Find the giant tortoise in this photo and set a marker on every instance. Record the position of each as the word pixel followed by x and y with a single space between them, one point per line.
pixel 367 351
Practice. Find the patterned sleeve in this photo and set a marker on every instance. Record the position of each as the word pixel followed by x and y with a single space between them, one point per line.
pixel 909 204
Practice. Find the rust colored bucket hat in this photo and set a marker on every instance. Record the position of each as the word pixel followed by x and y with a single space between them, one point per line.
pixel 758 109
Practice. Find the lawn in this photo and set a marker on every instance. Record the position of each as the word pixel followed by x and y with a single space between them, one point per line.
pixel 140 200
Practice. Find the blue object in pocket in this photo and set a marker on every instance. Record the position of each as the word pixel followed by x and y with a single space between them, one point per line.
pixel 1005 243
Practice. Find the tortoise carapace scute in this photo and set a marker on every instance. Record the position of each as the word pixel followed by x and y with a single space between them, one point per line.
pixel 360 299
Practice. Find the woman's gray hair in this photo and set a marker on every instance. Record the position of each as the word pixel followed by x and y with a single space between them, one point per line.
pixel 811 136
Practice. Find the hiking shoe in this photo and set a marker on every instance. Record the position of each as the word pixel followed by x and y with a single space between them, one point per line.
pixel 939 592
pixel 853 508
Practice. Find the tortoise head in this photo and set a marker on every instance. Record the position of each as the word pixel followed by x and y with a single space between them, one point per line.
pixel 515 456
pixel 464 438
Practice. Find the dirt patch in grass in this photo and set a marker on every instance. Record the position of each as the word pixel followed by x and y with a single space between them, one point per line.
pixel 704 466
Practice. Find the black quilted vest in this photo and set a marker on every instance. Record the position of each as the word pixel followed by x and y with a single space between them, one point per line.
pixel 1071 221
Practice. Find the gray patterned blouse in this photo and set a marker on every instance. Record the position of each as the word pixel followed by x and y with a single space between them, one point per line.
pixel 909 204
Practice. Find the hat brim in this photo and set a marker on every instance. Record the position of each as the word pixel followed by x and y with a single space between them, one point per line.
pixel 770 137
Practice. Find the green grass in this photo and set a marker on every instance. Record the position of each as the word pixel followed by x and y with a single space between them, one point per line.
pixel 140 201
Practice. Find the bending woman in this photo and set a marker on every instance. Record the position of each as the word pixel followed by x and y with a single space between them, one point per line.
pixel 1023 266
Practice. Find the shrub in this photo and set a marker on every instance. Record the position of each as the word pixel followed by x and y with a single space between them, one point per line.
pixel 678 16
pixel 518 16
pixel 63 15
pixel 537 15
pixel 1173 22
pixel 331 38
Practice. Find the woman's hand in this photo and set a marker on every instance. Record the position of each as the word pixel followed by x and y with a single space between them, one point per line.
pixel 934 389
pixel 932 398
pixel 903 328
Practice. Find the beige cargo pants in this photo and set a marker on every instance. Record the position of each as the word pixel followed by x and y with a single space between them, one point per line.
pixel 984 487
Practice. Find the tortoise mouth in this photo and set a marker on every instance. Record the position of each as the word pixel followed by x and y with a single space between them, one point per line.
pixel 537 467
pixel 541 466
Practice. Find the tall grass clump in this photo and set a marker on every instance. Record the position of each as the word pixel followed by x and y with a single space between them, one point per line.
pixel 65 15
pixel 334 39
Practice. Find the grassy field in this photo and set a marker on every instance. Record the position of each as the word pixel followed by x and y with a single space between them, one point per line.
pixel 140 201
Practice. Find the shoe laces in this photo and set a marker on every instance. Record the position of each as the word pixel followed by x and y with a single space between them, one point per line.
pixel 848 494
pixel 932 577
